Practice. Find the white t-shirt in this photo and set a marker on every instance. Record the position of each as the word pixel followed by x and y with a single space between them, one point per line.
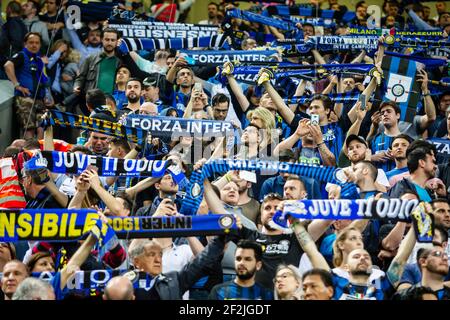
pixel 175 259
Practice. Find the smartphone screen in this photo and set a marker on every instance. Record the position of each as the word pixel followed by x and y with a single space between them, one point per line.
pixel 362 98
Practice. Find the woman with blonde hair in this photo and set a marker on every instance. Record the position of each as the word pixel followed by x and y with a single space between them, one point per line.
pixel 263 119
pixel 347 240
pixel 287 283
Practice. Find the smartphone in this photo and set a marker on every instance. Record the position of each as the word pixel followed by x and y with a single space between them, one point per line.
pixel 362 98
pixel 171 197
pixel 198 86
pixel 314 119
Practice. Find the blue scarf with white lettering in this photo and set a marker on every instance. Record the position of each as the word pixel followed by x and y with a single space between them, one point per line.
pixel 93 282
pixel 219 57
pixel 382 209
pixel 176 127
pixel 320 173
pixel 76 163
pixel 335 97
pixel 258 18
pixel 130 44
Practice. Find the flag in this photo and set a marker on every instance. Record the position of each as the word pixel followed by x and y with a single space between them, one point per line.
pixel 401 87
pixel 11 195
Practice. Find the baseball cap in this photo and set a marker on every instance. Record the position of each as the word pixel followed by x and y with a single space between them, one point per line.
pixel 352 137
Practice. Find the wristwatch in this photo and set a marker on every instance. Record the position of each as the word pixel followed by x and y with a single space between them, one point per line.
pixel 17 84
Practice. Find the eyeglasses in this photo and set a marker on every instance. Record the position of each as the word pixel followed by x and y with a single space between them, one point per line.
pixel 438 254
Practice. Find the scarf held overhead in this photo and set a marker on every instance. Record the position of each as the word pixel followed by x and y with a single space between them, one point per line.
pixel 91 281
pixel 76 163
pixel 158 30
pixel 70 225
pixel 392 209
pixel 69 120
pixel 195 190
pixel 176 127
pixel 130 44
pixel 219 57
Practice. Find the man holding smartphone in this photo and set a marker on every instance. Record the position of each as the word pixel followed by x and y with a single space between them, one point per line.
pixel 167 195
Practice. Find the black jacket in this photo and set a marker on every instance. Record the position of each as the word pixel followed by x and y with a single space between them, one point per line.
pixel 172 285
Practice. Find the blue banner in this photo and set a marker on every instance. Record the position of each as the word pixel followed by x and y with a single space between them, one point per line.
pixel 176 127
pixel 95 281
pixel 395 209
pixel 76 163
pixel 222 56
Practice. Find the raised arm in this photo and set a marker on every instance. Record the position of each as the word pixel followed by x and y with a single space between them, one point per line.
pixel 370 88
pixel 394 238
pixel 302 129
pixel 360 57
pixel 141 186
pixel 282 108
pixel 354 129
pixel 105 196
pixel 430 110
pixel 318 227
pixel 318 57
pixel 235 87
pixel 60 197
pixel 77 260
pixel 395 271
pixel 82 189
pixel 214 203
pixel 310 248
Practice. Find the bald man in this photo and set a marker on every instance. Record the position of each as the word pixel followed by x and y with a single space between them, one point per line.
pixel 148 108
pixel 119 288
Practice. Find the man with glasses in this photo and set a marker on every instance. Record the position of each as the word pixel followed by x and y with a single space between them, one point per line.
pixel 247 261
pixel 433 264
pixel 413 274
